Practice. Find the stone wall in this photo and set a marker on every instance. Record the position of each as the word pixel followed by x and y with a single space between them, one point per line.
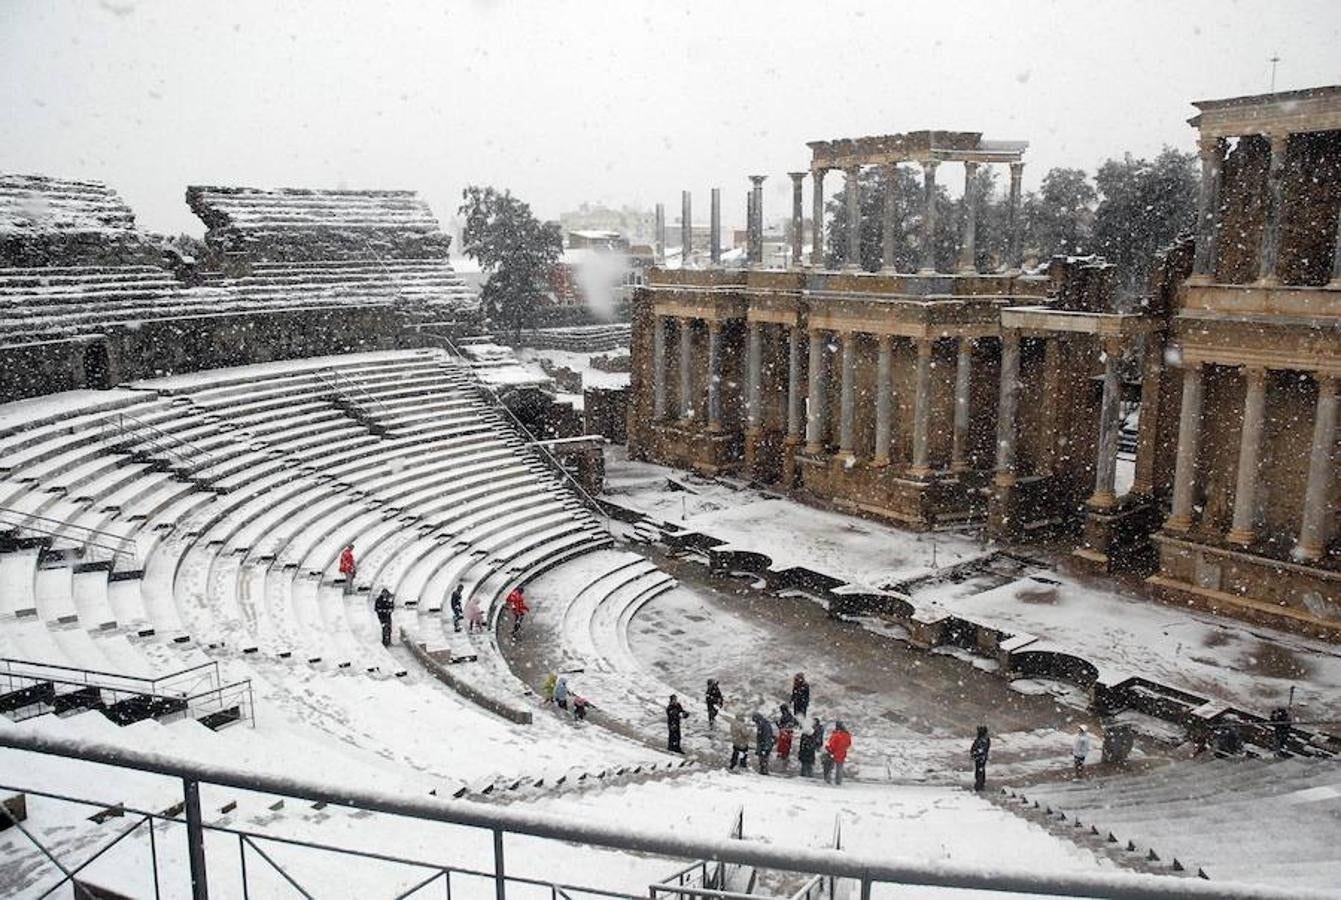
pixel 605 412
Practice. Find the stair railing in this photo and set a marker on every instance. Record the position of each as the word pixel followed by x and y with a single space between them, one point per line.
pixel 186 454
pixel 350 390
pixel 113 544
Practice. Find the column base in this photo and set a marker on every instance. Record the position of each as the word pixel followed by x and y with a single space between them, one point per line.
pixel 715 427
pixel 880 462
pixel 966 270
pixel 814 449
pixel 1307 552
pixel 1102 500
pixel 959 466
pixel 1335 284
pixel 926 271
pixel 920 471
pixel 1199 279
pixel 1004 479
pixel 1181 524
pixel 1241 536
pixel 1267 281
pixel 845 458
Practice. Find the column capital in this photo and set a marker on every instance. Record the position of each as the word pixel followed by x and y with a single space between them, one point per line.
pixel 884 341
pixel 1328 383
pixel 758 180
pixel 1017 169
pixel 1280 140
pixel 971 167
pixel 1010 336
pixel 929 165
pixel 1211 148
pixel 818 172
pixel 1114 345
pixel 1255 375
pixel 798 177
pixel 714 326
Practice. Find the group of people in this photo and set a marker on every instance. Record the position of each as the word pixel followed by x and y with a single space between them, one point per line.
pixel 556 691
pixel 981 748
pixel 385 603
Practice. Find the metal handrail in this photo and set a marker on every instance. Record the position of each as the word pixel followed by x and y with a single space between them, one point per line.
pixel 59 528
pixel 499 820
pixel 153 683
pixel 158 436
pixel 341 384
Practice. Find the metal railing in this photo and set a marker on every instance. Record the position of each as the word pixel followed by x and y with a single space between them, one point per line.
pixel 500 821
pixel 113 544
pixel 183 452
pixel 350 390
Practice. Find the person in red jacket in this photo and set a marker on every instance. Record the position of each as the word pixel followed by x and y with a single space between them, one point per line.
pixel 839 742
pixel 347 567
pixel 517 603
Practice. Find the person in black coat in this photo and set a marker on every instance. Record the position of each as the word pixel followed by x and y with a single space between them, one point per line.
pixel 808 748
pixel 981 747
pixel 456 608
pixel 800 695
pixel 674 713
pixel 714 701
pixel 383 606
pixel 763 740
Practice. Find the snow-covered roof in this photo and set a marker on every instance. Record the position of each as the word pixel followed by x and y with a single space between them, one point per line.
pixel 37 203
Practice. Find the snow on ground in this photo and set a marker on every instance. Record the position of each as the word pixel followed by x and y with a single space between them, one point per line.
pixel 865 553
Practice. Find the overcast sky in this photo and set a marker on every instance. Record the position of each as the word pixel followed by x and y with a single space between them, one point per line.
pixel 620 102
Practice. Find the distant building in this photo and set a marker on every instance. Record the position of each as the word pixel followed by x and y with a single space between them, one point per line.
pixel 634 225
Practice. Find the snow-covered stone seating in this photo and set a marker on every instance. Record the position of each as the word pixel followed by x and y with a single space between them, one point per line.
pixel 429 284
pixel 1202 814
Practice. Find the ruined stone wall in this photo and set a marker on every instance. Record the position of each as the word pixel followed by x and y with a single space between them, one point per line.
pixel 1243 210
pixel 605 411
pixel 1311 198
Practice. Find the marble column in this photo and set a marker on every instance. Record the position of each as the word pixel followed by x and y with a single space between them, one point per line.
pixel 1313 531
pixel 658 368
pixel 795 415
pixel 815 412
pixel 817 218
pixel 883 399
pixel 847 411
pixel 715 228
pixel 754 374
pixel 714 376
pixel 889 231
pixel 749 229
pixel 686 228
pixel 1208 208
pixel 1110 419
pixel 798 218
pixel 1189 440
pixel 686 369
pixel 661 234
pixel 1336 254
pixel 1014 222
pixel 928 217
pixel 757 229
pixel 968 237
pixel 963 380
pixel 1243 529
pixel 1006 408
pixel 922 410
pixel 1270 251
pixel 852 196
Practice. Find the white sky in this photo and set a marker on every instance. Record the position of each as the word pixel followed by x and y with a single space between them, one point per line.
pixel 618 102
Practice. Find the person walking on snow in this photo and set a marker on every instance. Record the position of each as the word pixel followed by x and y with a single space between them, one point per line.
pixel 800 695
pixel 517 603
pixel 1080 748
pixel 456 607
pixel 786 729
pixel 810 744
pixel 347 568
pixel 561 692
pixel 383 607
pixel 740 744
pixel 839 743
pixel 547 687
pixel 474 616
pixel 714 701
pixel 981 747
pixel 763 740
pixel 674 714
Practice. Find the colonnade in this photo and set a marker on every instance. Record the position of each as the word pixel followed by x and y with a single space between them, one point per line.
pixel 1312 536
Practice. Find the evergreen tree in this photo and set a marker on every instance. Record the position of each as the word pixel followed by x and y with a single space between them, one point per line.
pixel 1059 218
pixel 514 248
pixel 1145 205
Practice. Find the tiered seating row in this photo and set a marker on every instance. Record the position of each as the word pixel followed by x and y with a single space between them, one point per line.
pixel 37 202
pixel 255 209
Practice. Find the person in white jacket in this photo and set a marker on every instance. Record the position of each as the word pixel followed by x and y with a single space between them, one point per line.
pixel 1080 748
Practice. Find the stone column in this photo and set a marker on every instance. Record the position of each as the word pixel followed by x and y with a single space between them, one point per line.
pixel 1208 208
pixel 968 237
pixel 1014 229
pixel 661 234
pixel 686 369
pixel 891 219
pixel 815 412
pixel 758 225
pixel 1270 252
pixel 754 374
pixel 1006 408
pixel 658 368
pixel 928 217
pixel 963 379
pixel 1110 416
pixel 798 219
pixel 852 196
pixel 1243 530
pixel 817 214
pixel 714 376
pixel 749 229
pixel 1336 255
pixel 1189 439
pixel 715 228
pixel 1313 530
pixel 922 410
pixel 686 228
pixel 883 400
pixel 795 416
pixel 847 415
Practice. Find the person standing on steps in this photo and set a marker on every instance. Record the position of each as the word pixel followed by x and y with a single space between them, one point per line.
pixel 1080 749
pixel 347 568
pixel 981 747
pixel 714 701
pixel 839 743
pixel 383 607
pixel 806 751
pixel 517 603
pixel 456 607
pixel 674 715
pixel 786 730
pixel 800 695
pixel 474 616
pixel 763 740
pixel 740 744
pixel 561 692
